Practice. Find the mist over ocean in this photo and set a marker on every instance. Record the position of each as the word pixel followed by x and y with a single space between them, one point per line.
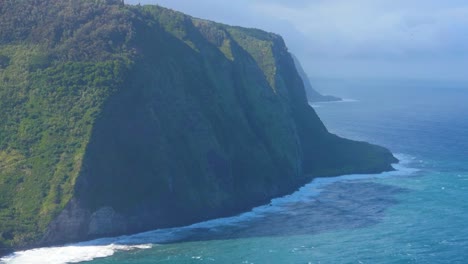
pixel 417 214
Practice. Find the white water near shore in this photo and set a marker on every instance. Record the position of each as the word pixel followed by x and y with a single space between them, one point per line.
pixel 343 100
pixel 105 247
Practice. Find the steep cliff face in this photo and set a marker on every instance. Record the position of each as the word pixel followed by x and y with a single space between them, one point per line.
pixel 312 94
pixel 160 120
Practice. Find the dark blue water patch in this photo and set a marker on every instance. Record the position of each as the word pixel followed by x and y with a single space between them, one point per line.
pixel 341 205
pixel 346 205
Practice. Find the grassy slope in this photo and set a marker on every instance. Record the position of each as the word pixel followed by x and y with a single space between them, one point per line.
pixel 53 83
pixel 47 123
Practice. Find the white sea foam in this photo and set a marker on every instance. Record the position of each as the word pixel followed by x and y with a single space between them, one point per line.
pixel 68 254
pixel 105 247
pixel 347 100
pixel 343 100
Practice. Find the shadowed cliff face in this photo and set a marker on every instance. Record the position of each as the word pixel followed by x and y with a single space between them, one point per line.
pixel 193 135
pixel 206 120
pixel 204 129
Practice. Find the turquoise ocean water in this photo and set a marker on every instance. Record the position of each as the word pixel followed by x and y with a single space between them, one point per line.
pixel 417 214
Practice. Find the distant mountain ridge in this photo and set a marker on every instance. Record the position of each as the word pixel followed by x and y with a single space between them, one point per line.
pixel 119 119
pixel 312 94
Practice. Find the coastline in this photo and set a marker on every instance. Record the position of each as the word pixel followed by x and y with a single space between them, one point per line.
pixel 105 247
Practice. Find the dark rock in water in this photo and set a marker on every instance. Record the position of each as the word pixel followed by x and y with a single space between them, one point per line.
pixel 312 94
pixel 131 118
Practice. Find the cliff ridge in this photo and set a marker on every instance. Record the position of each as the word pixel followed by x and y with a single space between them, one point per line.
pixel 121 119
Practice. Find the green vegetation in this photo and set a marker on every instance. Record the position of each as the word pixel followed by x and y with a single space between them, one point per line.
pixel 260 46
pixel 47 116
pixel 166 118
pixel 50 96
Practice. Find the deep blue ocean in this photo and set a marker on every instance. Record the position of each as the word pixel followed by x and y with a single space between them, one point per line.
pixel 417 214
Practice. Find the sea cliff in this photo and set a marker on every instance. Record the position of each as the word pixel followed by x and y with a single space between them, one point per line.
pixel 312 94
pixel 119 119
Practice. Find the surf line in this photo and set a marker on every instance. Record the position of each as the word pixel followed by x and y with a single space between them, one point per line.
pixel 106 247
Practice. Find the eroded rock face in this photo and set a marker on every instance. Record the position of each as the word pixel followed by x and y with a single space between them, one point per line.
pixel 76 223
pixel 106 221
pixel 70 225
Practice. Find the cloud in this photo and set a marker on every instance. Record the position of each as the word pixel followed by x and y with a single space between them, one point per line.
pixel 370 28
pixel 367 37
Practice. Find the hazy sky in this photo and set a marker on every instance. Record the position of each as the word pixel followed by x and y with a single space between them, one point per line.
pixel 420 39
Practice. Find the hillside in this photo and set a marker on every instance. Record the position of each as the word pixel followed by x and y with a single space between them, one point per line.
pixel 118 119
